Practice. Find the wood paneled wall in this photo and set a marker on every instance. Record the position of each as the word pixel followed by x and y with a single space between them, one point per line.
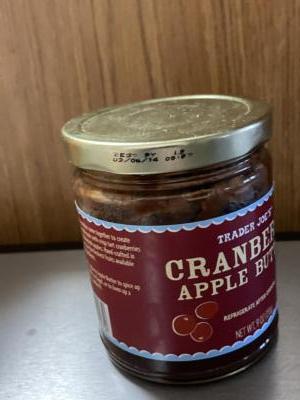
pixel 60 58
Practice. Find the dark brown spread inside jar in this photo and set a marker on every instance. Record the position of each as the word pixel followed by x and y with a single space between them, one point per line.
pixel 175 197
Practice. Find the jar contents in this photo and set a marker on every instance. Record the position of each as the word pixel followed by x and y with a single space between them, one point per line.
pixel 175 204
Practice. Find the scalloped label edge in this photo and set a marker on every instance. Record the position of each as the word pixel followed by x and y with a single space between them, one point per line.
pixel 199 355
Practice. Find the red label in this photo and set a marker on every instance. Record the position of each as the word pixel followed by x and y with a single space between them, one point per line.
pixel 183 292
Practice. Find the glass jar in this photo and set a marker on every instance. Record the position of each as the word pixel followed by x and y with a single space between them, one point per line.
pixel 175 203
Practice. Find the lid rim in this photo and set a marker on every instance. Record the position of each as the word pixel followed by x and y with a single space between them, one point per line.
pixel 197 150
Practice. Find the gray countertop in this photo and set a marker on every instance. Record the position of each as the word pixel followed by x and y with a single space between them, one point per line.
pixel 50 348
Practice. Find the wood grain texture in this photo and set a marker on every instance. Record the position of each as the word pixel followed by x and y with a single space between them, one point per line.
pixel 62 58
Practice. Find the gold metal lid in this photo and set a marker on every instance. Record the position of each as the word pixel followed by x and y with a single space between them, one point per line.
pixel 166 135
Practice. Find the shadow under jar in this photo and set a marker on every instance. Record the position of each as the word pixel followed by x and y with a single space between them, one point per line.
pixel 175 203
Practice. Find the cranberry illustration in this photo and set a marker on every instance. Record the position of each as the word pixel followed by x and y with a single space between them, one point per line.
pixel 183 324
pixel 202 332
pixel 207 310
